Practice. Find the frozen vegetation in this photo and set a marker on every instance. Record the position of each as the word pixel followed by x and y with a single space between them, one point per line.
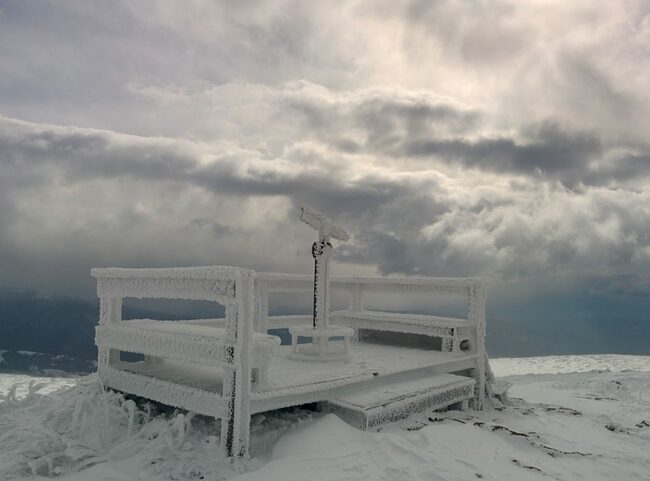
pixel 571 418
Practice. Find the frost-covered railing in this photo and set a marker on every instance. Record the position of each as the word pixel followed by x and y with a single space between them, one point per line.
pixel 230 286
pixel 466 335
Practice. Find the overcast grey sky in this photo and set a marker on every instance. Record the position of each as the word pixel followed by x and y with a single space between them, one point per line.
pixel 508 139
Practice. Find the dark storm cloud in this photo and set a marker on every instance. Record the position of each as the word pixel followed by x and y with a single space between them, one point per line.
pixel 546 148
pixel 594 232
pixel 40 161
pixel 52 154
pixel 383 114
pixel 83 154
pixel 391 250
pixel 397 125
pixel 393 131
pixel 630 165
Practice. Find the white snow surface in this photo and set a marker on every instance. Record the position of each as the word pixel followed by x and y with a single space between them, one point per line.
pixel 567 364
pixel 571 418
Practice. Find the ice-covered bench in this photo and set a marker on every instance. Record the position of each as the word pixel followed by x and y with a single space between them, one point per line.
pixel 241 354
pixel 452 331
pixel 463 336
pixel 197 342
pixel 457 334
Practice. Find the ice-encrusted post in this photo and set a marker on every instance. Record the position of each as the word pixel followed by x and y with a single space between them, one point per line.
pixel 235 422
pixel 477 316
pixel 261 306
pixel 356 298
pixel 110 311
pixel 320 250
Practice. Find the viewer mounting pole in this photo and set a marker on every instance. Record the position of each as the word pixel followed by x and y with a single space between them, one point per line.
pixel 321 250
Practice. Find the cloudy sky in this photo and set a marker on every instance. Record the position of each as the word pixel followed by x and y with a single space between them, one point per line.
pixel 506 139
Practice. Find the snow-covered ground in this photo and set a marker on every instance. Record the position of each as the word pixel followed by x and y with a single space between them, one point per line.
pixel 572 418
pixel 568 364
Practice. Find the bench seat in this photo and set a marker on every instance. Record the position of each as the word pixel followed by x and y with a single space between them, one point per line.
pixel 445 327
pixel 198 342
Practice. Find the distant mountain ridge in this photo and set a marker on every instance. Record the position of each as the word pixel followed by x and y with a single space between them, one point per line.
pixel 41 364
pixel 38 334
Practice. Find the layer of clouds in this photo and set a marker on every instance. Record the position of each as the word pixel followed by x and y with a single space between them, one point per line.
pixel 75 197
pixel 406 125
pixel 451 138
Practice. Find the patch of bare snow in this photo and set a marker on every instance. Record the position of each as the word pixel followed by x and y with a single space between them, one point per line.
pixel 567 364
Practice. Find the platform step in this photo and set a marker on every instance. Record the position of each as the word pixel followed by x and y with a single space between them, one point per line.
pixel 391 398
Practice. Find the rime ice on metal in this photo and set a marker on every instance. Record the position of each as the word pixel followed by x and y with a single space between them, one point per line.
pixel 322 347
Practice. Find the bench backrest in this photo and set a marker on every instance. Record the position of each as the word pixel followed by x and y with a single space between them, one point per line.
pixel 356 288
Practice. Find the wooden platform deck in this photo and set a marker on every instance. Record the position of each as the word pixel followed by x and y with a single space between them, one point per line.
pixel 297 382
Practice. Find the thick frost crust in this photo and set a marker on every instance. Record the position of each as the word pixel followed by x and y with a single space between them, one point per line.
pixel 375 405
pixel 438 286
pixel 172 394
pixel 208 283
pixel 410 323
pixel 199 272
pixel 303 394
pixel 218 290
pixel 179 340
